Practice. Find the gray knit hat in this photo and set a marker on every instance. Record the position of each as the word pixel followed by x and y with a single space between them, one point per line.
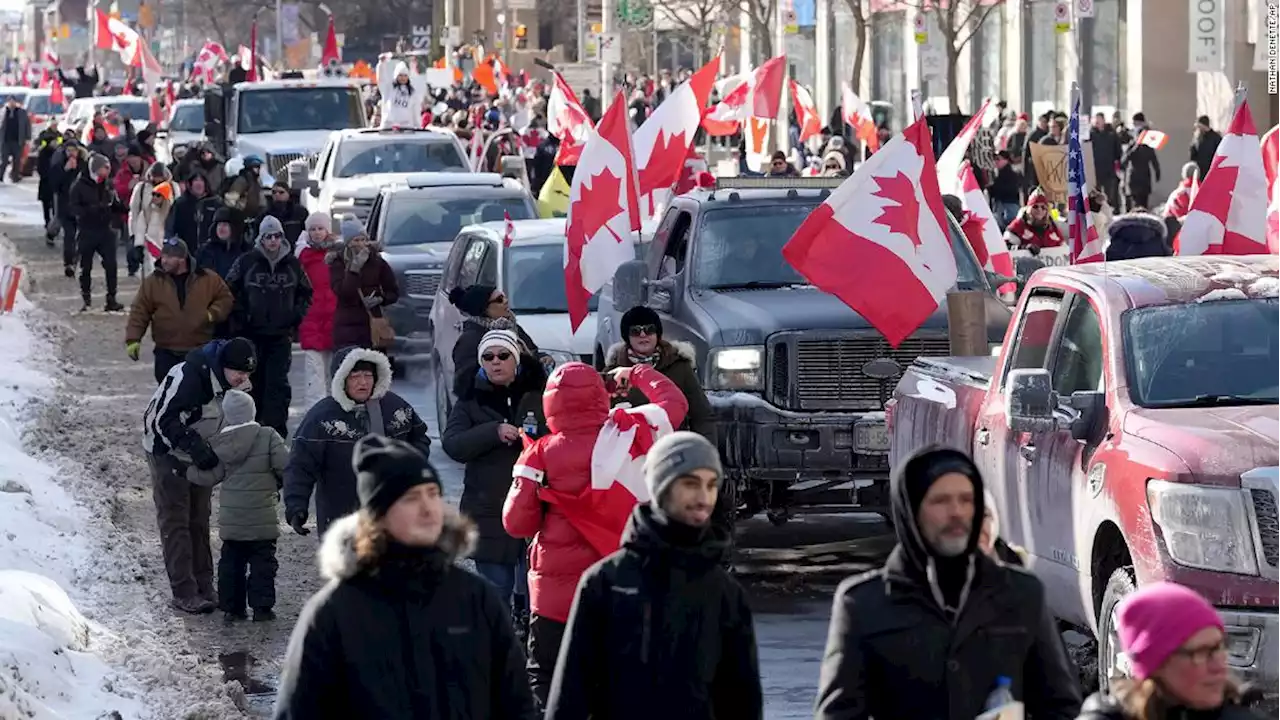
pixel 675 456
pixel 98 161
pixel 238 408
pixel 352 229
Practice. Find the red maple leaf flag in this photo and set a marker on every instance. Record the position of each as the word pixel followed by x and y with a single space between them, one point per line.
pixel 330 52
pixel 949 162
pixel 982 231
pixel 1271 164
pixel 604 211
pixel 888 223
pixel 662 142
pixel 1228 215
pixel 509 229
pixel 722 119
pixel 567 120
pixel 806 111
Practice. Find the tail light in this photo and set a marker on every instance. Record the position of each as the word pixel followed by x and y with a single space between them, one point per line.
pixel 888 413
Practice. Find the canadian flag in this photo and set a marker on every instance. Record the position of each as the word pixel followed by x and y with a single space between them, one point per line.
pixel 982 231
pixel 950 176
pixel 567 121
pixel 113 34
pixel 857 115
pixel 206 64
pixel 1153 139
pixel 886 222
pixel 508 230
pixel 755 94
pixel 1228 214
pixel 604 211
pixel 662 142
pixel 806 111
pixel 56 97
pixel 722 119
pixel 1271 165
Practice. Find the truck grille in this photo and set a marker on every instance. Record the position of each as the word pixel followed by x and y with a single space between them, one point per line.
pixel 276 163
pixel 829 371
pixel 1264 509
pixel 421 284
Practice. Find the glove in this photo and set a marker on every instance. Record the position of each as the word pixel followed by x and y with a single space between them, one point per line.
pixel 297 521
pixel 372 301
pixel 203 456
pixel 132 349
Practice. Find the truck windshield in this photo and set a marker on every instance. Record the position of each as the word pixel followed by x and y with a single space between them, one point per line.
pixel 535 278
pixel 742 247
pixel 409 155
pixel 1222 352
pixel 290 109
pixel 128 109
pixel 187 118
pixel 414 218
pixel 41 105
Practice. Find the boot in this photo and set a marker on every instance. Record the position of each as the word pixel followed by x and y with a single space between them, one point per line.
pixel 233 617
pixel 87 306
pixel 113 306
pixel 193 605
pixel 69 271
pixel 263 615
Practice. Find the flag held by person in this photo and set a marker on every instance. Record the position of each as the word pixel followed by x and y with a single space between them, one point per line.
pixel 663 141
pixel 1081 234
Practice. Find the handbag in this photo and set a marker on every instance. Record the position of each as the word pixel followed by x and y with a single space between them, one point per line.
pixel 381 334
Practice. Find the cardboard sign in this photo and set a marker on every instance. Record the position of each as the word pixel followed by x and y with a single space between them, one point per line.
pixel 1051 169
pixel 1051 257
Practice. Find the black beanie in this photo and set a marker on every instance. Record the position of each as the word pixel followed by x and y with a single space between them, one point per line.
pixel 239 354
pixel 473 300
pixel 640 315
pixel 386 469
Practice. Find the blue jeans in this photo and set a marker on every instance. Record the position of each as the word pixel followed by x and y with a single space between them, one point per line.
pixel 510 580
pixel 1005 213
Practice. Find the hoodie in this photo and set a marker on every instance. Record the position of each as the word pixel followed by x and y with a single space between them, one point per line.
pixel 1137 235
pixel 401 104
pixel 272 290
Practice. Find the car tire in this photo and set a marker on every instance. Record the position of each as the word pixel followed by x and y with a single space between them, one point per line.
pixel 1119 586
pixel 442 398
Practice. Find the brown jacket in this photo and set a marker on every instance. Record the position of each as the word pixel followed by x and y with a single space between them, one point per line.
pixel 178 326
pixel 350 317
pixel 676 361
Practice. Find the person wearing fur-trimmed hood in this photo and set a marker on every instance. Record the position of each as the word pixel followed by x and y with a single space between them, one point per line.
pixel 399 630
pixel 360 403
pixel 1137 234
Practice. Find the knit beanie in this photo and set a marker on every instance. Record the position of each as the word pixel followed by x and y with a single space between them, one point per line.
pixel 318 220
pixel 1155 620
pixel 98 161
pixel 386 469
pixel 502 339
pixel 640 315
pixel 352 229
pixel 239 354
pixel 238 408
pixel 473 300
pixel 675 456
pixel 267 225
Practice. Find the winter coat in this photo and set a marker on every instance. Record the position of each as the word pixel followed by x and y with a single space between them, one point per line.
pixel 1137 235
pixel 1142 168
pixel 414 637
pixel 192 218
pixel 84 82
pixel 146 219
pixel 95 207
pixel 467 347
pixel 271 297
pixel 576 409
pixel 659 629
pixel 49 142
pixel 184 408
pixel 677 360
pixel 350 316
pixel 23 120
pixel 1107 151
pixel 894 652
pixel 324 440
pixel 178 323
pixel 251 462
pixel 471 438
pixel 292 216
pixel 1021 233
pixel 1104 706
pixel 125 179
pixel 401 104
pixel 1005 186
pixel 246 195
pixel 220 255
pixel 64 180
pixel 316 330
pixel 1203 148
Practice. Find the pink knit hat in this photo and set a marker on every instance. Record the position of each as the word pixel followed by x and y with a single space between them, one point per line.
pixel 1154 622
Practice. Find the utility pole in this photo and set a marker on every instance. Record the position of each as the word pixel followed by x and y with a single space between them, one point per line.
pixel 608 8
pixel 449 21
pixel 582 30
pixel 782 124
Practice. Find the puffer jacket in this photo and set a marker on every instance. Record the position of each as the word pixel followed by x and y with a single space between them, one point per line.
pixel 576 406
pixel 1105 706
pixel 272 296
pixel 1021 233
pixel 316 330
pixel 677 360
pixel 1137 235
pixel 251 462
pixel 178 323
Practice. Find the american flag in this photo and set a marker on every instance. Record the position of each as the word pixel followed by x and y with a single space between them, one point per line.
pixel 1085 245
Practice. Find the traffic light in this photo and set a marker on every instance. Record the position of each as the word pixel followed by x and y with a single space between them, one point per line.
pixel 522 37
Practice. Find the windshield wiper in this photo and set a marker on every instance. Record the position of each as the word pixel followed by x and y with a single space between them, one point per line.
pixel 756 285
pixel 1221 400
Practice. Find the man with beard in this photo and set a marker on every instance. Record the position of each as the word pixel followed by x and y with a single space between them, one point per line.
pixel 932 633
pixel 284 207
pixel 665 594
pixel 192 215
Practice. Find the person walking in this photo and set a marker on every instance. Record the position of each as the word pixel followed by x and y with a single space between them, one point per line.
pixel 220 252
pixel 69 164
pixel 483 308
pixel 272 295
pixel 363 284
pixel 929 634
pixel 283 206
pixel 643 344
pixel 95 206
pixel 15 134
pixel 181 304
pixel 315 334
pixel 659 629
pixel 360 403
pixel 193 213
pixel 182 415
pixel 1204 145
pixel 150 202
pixel 1142 172
pixel 250 471
pixel 399 630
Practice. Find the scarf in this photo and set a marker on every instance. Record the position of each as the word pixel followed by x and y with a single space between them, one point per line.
pixel 651 359
pixel 488 323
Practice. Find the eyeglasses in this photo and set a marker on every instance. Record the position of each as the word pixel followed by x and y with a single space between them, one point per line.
pixel 639 330
pixel 1202 655
pixel 502 355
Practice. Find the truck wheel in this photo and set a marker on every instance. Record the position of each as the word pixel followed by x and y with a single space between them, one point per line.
pixel 442 398
pixel 1119 585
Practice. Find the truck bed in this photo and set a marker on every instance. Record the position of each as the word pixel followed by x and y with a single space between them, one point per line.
pixel 937 401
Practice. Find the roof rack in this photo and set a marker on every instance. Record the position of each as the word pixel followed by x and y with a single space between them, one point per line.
pixel 778 183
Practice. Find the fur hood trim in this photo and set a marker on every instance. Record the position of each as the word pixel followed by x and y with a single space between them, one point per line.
pixel 337 555
pixel 1146 221
pixel 338 386
pixel 617 355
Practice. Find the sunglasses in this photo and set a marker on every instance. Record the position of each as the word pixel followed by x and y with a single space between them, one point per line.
pixel 502 355
pixel 639 330
pixel 273 236
pixel 172 241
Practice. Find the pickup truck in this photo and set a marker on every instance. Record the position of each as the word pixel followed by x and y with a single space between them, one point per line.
pixel 797 379
pixel 1127 432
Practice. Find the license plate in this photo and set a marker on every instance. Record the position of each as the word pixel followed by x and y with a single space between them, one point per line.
pixel 871 438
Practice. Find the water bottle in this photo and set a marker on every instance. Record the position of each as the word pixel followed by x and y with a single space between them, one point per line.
pixel 1001 696
pixel 530 426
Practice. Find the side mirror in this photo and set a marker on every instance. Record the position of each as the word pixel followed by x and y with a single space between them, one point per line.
pixel 1030 402
pixel 298 175
pixel 1088 411
pixel 628 285
pixel 662 294
pixel 313 188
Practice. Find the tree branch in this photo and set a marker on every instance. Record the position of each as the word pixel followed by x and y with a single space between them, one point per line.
pixel 974 27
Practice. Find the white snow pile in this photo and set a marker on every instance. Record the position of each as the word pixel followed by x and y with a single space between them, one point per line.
pixel 1222 294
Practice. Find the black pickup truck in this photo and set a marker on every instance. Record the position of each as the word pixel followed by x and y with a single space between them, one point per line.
pixel 798 380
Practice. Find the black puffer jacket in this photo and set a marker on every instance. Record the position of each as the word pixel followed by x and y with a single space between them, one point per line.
pixel 272 298
pixel 413 638
pixel 95 206
pixel 192 218
pixel 471 438
pixel 893 652
pixel 659 630
pixel 1137 235
pixel 1104 706
pixel 465 364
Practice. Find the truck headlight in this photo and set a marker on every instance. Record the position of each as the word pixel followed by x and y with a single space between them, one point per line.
pixel 737 368
pixel 1206 528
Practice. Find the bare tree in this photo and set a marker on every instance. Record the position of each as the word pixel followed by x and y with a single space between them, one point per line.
pixel 763 14
pixel 861 25
pixel 958 21
pixel 694 19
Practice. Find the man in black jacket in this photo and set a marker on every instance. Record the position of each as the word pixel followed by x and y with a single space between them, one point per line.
pixel 183 414
pixel 67 165
pixel 96 209
pixel 84 82
pixel 192 215
pixel 1204 145
pixel 929 634
pixel 272 294
pixel 15 133
pixel 659 629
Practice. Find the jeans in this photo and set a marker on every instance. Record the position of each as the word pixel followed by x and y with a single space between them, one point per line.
pixel 1005 213
pixel 510 580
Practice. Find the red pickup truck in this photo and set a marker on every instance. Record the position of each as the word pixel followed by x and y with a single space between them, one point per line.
pixel 1127 430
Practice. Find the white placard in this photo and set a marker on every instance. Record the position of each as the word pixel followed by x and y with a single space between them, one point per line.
pixel 611 48
pixel 1207 35
pixel 1059 256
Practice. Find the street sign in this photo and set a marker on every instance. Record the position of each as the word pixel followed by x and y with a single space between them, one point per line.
pixel 451 35
pixel 921 28
pixel 421 37
pixel 1084 8
pixel 611 48
pixel 636 13
pixel 1061 17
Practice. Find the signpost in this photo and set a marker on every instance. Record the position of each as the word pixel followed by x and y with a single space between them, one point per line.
pixel 611 48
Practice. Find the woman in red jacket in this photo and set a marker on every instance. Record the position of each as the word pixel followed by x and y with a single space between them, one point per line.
pixel 315 335
pixel 573 520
